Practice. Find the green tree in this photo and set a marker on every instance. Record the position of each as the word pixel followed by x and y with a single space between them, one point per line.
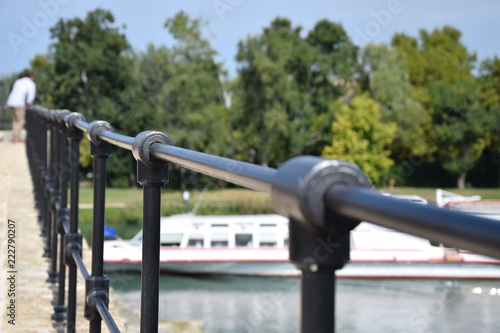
pixel 94 72
pixel 461 124
pixel 440 73
pixel 42 66
pixel 360 137
pixel 272 109
pixel 153 74
pixel 388 82
pixel 286 84
pixel 195 114
pixel 91 62
pixel 436 56
pixel 490 82
pixel 6 83
pixel 337 53
pixel 330 78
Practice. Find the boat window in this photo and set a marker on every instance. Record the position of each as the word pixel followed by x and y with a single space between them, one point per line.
pixel 171 239
pixel 195 242
pixel 219 240
pixel 137 240
pixel 268 240
pixel 268 244
pixel 219 244
pixel 243 240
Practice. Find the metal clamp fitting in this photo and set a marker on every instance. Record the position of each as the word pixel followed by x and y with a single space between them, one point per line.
pixel 72 242
pixel 301 183
pixel 141 148
pixel 62 217
pixel 60 116
pixel 93 131
pixel 95 294
pixel 96 287
pixel 71 118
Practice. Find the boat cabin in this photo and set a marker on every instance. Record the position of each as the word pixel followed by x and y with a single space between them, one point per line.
pixel 228 231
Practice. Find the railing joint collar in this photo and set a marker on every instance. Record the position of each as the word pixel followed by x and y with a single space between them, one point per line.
pixel 72 241
pixel 142 144
pixel 300 185
pixel 94 130
pixel 96 287
pixel 71 118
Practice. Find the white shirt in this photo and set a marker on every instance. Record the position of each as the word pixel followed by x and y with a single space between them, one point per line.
pixel 23 92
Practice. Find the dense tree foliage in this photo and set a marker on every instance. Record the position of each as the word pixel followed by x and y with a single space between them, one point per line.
pixel 461 125
pixel 286 86
pixel 388 82
pixel 295 92
pixel 440 71
pixel 359 136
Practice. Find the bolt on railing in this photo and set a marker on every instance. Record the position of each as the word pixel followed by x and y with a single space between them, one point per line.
pixel 324 200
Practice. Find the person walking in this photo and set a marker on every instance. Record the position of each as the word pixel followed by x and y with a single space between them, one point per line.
pixel 21 97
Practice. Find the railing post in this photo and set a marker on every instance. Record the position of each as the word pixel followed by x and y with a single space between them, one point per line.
pixel 319 240
pixel 152 174
pixel 54 199
pixel 34 141
pixel 97 285
pixel 61 169
pixel 73 239
pixel 31 152
pixel 318 257
pixel 45 176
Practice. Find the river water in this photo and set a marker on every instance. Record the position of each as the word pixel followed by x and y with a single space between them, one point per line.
pixel 251 304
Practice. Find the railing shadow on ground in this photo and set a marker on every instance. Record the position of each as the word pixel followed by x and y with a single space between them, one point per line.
pixel 323 198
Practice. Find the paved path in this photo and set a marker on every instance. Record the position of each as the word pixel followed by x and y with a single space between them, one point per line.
pixel 27 289
pixel 29 292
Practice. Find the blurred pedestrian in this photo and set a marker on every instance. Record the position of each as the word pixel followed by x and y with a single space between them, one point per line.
pixel 21 97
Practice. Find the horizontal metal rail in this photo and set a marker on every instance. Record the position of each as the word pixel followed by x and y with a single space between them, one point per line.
pixel 323 198
pixel 106 316
pixel 82 125
pixel 118 140
pixel 461 230
pixel 248 175
pixel 80 264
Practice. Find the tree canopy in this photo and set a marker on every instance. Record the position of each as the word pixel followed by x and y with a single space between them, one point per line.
pixel 359 136
pixel 296 92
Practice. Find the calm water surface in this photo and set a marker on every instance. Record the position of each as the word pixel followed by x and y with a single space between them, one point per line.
pixel 245 304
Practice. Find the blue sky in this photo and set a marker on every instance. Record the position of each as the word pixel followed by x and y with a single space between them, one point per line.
pixel 24 24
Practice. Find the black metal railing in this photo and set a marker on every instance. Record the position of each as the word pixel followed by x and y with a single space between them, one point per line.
pixel 324 199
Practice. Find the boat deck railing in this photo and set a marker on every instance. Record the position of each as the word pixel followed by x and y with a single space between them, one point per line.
pixel 323 198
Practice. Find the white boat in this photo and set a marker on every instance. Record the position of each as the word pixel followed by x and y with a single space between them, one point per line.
pixel 233 245
pixel 474 204
pixel 257 245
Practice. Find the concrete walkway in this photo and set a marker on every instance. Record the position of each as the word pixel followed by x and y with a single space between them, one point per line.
pixel 23 285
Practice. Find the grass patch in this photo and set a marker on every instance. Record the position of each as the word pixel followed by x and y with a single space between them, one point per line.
pixel 126 222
